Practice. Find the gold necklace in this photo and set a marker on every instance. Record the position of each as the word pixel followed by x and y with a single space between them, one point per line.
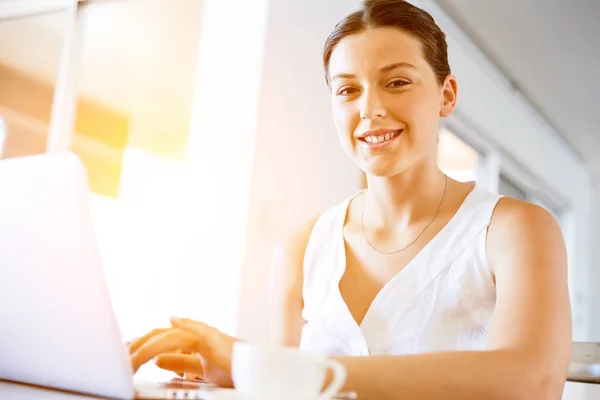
pixel 437 211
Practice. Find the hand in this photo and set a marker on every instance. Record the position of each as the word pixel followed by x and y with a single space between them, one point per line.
pixel 211 350
pixel 181 373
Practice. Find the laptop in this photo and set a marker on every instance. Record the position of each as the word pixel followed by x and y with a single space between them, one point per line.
pixel 57 327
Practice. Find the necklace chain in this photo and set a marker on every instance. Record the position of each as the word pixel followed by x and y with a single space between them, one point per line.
pixel 437 211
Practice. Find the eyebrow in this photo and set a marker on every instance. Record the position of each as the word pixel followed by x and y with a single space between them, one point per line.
pixel 387 68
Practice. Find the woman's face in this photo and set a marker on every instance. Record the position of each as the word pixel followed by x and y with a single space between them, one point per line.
pixel 386 100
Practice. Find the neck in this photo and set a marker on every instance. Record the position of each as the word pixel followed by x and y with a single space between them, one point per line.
pixel 403 199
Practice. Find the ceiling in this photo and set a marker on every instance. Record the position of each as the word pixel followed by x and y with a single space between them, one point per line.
pixel 550 49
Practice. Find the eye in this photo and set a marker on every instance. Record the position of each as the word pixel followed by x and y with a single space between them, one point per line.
pixel 346 90
pixel 396 83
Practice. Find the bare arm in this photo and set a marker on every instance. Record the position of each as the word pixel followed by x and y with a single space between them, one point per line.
pixel 529 343
pixel 286 287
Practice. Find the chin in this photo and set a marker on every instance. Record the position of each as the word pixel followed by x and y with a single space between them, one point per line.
pixel 381 171
pixel 389 167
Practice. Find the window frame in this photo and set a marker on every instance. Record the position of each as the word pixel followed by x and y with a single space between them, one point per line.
pixel 496 162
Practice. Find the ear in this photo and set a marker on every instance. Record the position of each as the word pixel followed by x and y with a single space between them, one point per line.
pixel 449 92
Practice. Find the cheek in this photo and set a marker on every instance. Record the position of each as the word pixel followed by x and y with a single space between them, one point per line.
pixel 345 124
pixel 412 106
pixel 420 112
pixel 344 118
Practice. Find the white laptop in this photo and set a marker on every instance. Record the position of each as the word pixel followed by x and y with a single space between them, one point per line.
pixel 57 327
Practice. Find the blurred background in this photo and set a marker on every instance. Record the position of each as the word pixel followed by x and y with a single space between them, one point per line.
pixel 206 132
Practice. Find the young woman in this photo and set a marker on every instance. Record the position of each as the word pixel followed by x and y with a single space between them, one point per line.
pixel 452 291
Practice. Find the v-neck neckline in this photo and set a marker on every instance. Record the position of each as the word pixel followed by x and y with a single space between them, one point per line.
pixel 341 250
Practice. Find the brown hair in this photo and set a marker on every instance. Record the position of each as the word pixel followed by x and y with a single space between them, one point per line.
pixel 397 14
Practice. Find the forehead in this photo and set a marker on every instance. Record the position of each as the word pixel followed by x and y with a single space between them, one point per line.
pixel 374 48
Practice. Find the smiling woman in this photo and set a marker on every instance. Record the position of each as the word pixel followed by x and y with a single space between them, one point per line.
pixel 392 86
pixel 449 289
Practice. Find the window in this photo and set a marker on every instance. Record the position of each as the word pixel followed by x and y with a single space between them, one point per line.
pixel 456 158
pixel 2 135
pixel 131 131
pixel 27 79
pixel 135 91
pixel 507 188
pixel 131 68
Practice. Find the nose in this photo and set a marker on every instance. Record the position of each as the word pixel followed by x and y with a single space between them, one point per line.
pixel 372 107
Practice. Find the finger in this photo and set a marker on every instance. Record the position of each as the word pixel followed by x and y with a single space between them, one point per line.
pixel 134 344
pixel 180 374
pixel 212 340
pixel 165 342
pixel 191 377
pixel 198 328
pixel 180 363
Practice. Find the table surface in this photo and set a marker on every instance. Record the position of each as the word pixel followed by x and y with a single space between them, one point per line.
pixel 584 367
pixel 585 362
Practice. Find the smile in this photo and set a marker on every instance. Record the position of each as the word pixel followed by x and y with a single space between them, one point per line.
pixel 377 139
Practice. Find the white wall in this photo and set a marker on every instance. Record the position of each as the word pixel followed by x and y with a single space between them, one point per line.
pixel 300 169
pixel 221 154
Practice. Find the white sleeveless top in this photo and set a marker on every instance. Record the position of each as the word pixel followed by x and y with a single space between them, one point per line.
pixel 442 300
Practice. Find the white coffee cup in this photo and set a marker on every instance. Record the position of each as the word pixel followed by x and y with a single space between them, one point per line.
pixel 262 372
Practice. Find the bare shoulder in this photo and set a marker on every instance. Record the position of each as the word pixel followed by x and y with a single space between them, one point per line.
pixel 515 219
pixel 524 230
pixel 514 212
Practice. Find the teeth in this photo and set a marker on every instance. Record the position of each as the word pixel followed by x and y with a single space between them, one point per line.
pixel 381 138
